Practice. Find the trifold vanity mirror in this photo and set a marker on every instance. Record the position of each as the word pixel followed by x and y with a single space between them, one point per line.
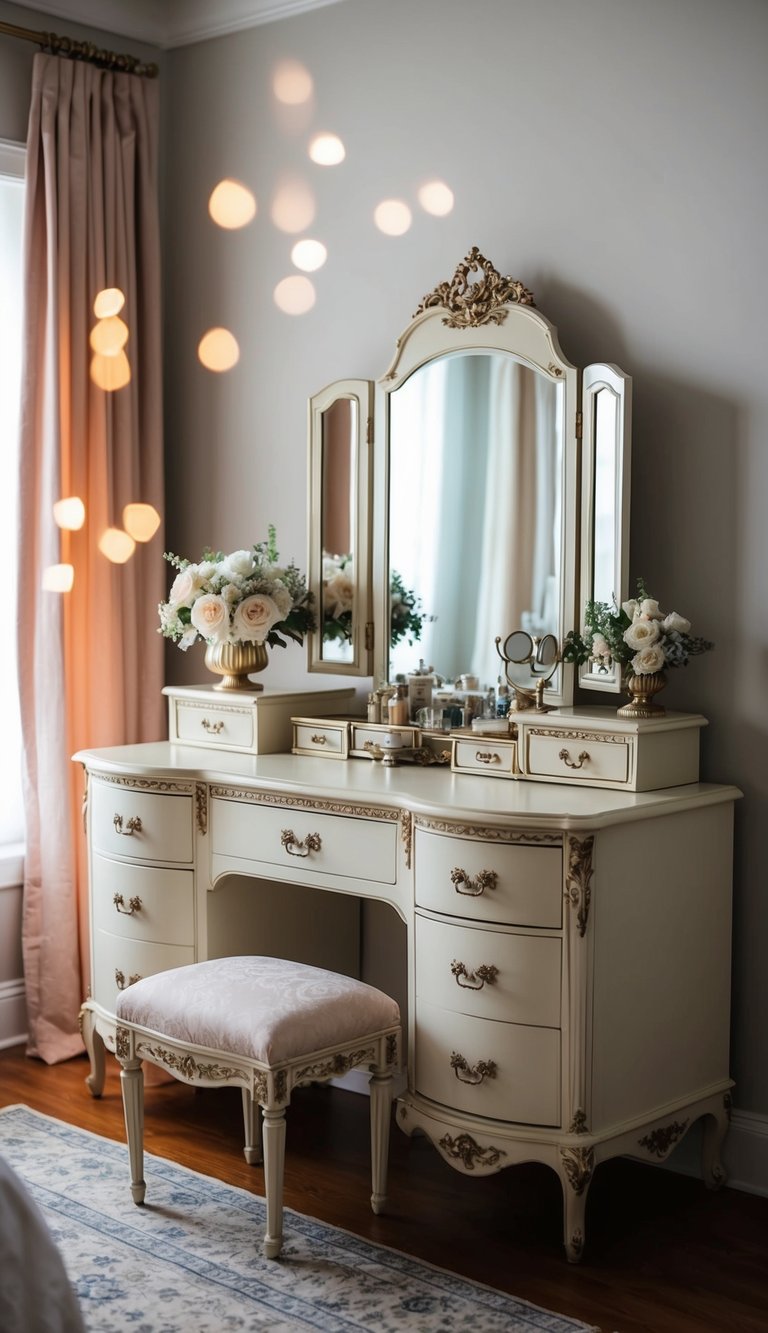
pixel 480 487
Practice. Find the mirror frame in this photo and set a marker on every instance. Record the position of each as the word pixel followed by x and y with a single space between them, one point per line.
pixel 361 393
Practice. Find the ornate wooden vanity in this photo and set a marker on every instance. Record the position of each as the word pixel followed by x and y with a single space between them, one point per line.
pixel 568 929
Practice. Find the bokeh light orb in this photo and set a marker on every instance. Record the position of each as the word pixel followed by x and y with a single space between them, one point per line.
pixel 109 301
pixel 109 336
pixel 327 150
pixel 295 295
pixel 141 521
pixel 293 206
pixel 392 216
pixel 436 198
pixel 110 372
pixel 58 578
pixel 292 83
pixel 69 513
pixel 232 204
pixel 116 545
pixel 218 350
pixel 309 255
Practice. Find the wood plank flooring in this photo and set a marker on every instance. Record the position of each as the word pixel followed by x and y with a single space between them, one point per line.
pixel 664 1255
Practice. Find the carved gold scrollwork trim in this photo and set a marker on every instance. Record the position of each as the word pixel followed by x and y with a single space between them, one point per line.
pixel 470 304
pixel 185 1064
pixel 571 734
pixel 392 1049
pixel 304 803
pixel 469 1152
pixel 578 876
pixel 163 785
pixel 406 833
pixel 201 806
pixel 456 829
pixel 555 370
pixel 578 1124
pixel 660 1141
pixel 122 1043
pixel 578 1164
pixel 335 1065
pixel 577 1242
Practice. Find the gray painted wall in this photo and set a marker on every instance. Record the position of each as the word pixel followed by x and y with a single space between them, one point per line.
pixel 610 154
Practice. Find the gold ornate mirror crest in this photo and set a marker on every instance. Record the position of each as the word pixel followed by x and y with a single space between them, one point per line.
pixel 471 303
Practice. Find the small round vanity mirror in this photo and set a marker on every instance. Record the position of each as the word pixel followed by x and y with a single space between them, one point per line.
pixel 518 647
pixel 529 662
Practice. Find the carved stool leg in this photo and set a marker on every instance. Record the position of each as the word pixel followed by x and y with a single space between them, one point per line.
pixel 274 1163
pixel 576 1170
pixel 94 1046
pixel 132 1084
pixel 381 1105
pixel 715 1130
pixel 252 1149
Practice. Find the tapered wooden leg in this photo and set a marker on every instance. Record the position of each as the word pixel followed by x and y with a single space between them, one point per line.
pixel 381 1107
pixel 132 1084
pixel 715 1130
pixel 577 1167
pixel 94 1047
pixel 252 1149
pixel 273 1137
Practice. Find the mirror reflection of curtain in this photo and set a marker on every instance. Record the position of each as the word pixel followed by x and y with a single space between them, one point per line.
pixel 338 444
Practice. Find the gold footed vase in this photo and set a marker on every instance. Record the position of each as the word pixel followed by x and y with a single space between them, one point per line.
pixel 235 662
pixel 641 690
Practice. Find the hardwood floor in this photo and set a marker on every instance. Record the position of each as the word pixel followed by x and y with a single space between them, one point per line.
pixel 664 1255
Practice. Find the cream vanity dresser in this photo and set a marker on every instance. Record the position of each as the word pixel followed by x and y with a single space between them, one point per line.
pixel 568 907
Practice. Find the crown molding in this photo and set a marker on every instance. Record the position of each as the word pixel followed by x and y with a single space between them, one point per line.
pixel 171 23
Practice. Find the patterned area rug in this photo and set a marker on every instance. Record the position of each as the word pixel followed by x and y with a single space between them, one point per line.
pixel 190 1260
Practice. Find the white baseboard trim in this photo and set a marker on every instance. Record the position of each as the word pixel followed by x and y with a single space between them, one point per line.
pixel 745 1155
pixel 13 1013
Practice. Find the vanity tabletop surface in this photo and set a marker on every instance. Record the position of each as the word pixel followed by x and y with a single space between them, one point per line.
pixel 430 791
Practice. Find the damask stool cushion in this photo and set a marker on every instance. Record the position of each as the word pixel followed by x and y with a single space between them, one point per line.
pixel 265 1009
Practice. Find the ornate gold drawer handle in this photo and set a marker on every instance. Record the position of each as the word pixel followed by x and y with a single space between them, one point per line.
pixel 319 739
pixel 487 757
pixel 565 755
pixel 487 972
pixel 213 728
pixel 300 846
pixel 134 904
pixel 133 825
pixel 465 1073
pixel 120 980
pixel 473 887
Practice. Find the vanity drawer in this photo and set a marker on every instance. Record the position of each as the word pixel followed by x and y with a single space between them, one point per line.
pixel 225 726
pixel 512 883
pixel 489 973
pixel 483 754
pixel 305 841
pixel 118 962
pixel 586 758
pixel 328 739
pixel 521 1081
pixel 142 825
pixel 156 904
pixel 364 734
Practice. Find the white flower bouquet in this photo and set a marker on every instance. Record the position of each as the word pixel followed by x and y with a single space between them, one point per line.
pixel 638 636
pixel 244 597
pixel 406 614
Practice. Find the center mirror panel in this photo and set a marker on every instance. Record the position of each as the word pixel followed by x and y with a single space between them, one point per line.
pixel 476 477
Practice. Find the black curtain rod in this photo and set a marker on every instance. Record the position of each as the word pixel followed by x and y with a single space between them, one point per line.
pixel 77 50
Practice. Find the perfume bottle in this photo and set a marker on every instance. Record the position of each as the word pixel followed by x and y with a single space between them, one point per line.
pixel 420 689
pixel 397 707
pixel 502 699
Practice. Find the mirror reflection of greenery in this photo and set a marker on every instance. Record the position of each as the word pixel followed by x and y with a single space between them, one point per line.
pixel 407 616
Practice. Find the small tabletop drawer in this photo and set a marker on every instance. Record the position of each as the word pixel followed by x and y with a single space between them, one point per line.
pixel 145 826
pixel 583 758
pixel 327 738
pixel 502 1070
pixel 489 973
pixel 364 735
pixel 484 754
pixel 512 883
pixel 118 962
pixel 142 902
pixel 225 726
pixel 305 841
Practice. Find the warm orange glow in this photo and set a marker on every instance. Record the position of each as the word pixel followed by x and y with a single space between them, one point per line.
pixel 392 216
pixel 218 350
pixel 69 513
pixel 109 336
pixel 327 150
pixel 108 302
pixel 309 255
pixel 295 295
pixel 436 198
pixel 292 83
pixel 232 205
pixel 116 545
pixel 141 521
pixel 58 578
pixel 110 372
pixel 293 207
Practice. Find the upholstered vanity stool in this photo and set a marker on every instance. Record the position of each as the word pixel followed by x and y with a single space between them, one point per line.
pixel 264 1025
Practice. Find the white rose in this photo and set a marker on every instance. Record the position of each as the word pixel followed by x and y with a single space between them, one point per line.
pixel 239 565
pixel 184 586
pixel 600 646
pixel 339 594
pixel 254 618
pixel 630 608
pixel 648 660
pixel 206 570
pixel 283 599
pixel 210 617
pixel 188 638
pixel 641 634
pixel 650 609
pixel 675 622
pixel 230 592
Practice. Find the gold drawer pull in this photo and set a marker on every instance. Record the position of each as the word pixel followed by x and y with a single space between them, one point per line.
pixel 320 739
pixel 473 887
pixel 474 980
pixel 487 757
pixel 133 825
pixel 213 728
pixel 565 755
pixel 134 904
pixel 120 980
pixel 300 846
pixel 464 1072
